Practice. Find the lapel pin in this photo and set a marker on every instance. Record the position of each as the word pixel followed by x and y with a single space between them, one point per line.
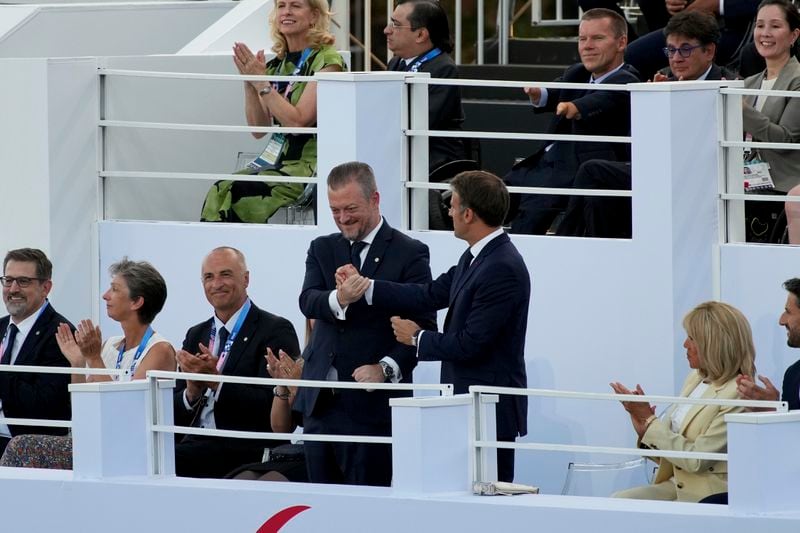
pixel 245 339
pixel 377 259
pixel 37 332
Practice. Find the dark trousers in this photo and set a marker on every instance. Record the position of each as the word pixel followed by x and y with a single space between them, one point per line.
pixel 505 463
pixel 538 211
pixel 346 462
pixel 3 443
pixel 197 456
pixel 594 216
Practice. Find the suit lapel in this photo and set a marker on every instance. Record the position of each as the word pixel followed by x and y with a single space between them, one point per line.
pixel 29 348
pixel 476 264
pixel 376 250
pixel 711 392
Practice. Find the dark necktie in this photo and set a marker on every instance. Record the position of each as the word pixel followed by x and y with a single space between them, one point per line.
pixel 223 338
pixel 402 65
pixel 11 335
pixel 463 266
pixel 355 253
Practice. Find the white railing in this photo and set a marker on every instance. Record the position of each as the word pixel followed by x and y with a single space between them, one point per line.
pixel 731 192
pixel 105 124
pixel 480 444
pixel 161 431
pixel 418 151
pixel 46 422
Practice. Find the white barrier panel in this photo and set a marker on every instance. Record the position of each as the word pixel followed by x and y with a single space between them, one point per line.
pixel 762 468
pixel 111 429
pixel 104 29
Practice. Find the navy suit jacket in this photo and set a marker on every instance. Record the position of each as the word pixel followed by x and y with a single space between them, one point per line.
pixel 365 336
pixel 241 407
pixel 791 386
pixel 601 113
pixel 37 395
pixel 484 333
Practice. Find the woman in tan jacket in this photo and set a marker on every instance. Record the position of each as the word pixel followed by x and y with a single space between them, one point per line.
pixel 719 346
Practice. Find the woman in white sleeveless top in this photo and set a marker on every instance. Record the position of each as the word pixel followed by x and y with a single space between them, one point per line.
pixel 136 295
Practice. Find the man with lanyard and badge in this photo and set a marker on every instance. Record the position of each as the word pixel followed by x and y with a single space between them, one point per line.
pixel 418 34
pixel 232 342
pixel 29 339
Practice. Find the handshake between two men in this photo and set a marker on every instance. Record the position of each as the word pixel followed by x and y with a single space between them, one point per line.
pixel 351 286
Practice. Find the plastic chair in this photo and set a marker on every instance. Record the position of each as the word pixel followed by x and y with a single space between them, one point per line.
pixel 592 479
pixel 439 201
pixel 296 211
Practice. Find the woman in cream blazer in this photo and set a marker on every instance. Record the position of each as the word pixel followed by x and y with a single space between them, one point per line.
pixel 719 347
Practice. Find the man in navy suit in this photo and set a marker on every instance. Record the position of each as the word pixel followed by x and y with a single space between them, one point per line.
pixel 692 38
pixel 29 339
pixel 487 295
pixel 790 319
pixel 418 34
pixel 601 43
pixel 233 342
pixel 350 341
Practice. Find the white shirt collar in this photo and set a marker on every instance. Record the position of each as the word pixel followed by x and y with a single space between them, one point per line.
pixel 592 79
pixel 371 235
pixel 231 321
pixel 476 248
pixel 705 74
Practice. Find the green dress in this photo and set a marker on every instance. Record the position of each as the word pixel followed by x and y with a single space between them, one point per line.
pixel 249 201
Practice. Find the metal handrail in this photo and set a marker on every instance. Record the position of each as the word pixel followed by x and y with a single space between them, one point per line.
pixel 38 369
pixel 158 430
pixel 479 444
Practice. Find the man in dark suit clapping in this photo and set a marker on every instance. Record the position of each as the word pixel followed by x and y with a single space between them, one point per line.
pixel 487 295
pixel 232 342
pixel 350 341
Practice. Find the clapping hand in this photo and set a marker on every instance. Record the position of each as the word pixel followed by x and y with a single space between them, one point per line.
pixel 249 64
pixel 89 340
pixel 639 411
pixel 66 343
pixel 749 390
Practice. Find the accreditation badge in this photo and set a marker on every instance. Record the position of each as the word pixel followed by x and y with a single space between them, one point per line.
pixel 271 155
pixel 757 176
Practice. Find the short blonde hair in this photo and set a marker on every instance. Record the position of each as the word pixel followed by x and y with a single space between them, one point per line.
pixel 318 34
pixel 724 340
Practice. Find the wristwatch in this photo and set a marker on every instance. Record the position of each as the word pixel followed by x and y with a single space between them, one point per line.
pixel 266 90
pixel 388 371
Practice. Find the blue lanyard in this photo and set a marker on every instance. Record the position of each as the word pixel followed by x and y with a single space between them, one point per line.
pixel 223 354
pixel 139 350
pixel 427 57
pixel 297 69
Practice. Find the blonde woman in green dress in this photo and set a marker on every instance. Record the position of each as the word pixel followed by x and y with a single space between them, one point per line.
pixel 303 46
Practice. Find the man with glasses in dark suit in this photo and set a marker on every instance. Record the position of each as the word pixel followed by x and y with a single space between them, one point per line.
pixel 29 338
pixel 418 34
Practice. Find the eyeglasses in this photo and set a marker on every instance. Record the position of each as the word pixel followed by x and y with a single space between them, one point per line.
pixel 395 26
pixel 685 50
pixel 23 282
